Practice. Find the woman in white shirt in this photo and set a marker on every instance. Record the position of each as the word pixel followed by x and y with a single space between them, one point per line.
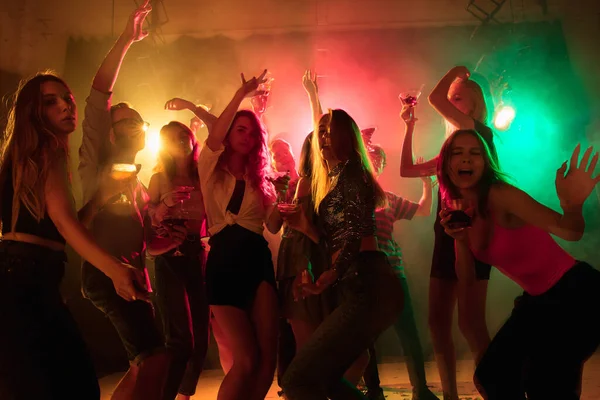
pixel 234 168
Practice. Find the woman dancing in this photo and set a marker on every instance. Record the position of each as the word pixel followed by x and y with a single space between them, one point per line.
pixel 512 231
pixel 461 102
pixel 345 195
pixel 174 192
pixel 42 354
pixel 238 197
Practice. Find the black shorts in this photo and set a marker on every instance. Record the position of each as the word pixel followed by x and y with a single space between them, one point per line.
pixel 442 264
pixel 133 320
pixel 239 260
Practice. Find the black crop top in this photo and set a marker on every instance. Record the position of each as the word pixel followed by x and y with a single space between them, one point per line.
pixel 347 214
pixel 26 223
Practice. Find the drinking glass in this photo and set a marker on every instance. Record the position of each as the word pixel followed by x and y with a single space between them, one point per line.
pixel 122 171
pixel 457 207
pixel 410 97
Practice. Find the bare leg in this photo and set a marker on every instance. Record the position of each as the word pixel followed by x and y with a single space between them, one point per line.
pixel 471 318
pixel 442 300
pixel 302 331
pixel 151 377
pixel 356 370
pixel 239 335
pixel 265 318
pixel 125 387
pixel 225 353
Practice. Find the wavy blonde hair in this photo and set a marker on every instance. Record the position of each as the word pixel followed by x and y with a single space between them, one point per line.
pixel 347 144
pixel 30 148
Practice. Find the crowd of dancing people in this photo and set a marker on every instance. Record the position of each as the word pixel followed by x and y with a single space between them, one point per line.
pixel 339 280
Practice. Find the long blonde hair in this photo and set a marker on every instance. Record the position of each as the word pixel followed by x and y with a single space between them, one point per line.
pixel 481 96
pixel 29 147
pixel 346 144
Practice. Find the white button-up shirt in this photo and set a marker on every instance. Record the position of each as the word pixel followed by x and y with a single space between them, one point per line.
pixel 217 185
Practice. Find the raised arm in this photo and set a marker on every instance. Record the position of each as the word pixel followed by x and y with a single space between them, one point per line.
pixel 424 209
pixel 217 135
pixel 572 188
pixel 128 281
pixel 439 99
pixel 309 82
pixel 408 168
pixel 199 111
pixel 105 78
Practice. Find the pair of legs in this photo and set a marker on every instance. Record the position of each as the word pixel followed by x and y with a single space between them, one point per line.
pixel 543 346
pixel 42 353
pixel 251 337
pixel 134 322
pixel 406 329
pixel 444 293
pixel 443 297
pixel 181 300
pixel 369 303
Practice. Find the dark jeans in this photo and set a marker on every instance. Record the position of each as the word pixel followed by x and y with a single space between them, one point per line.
pixel 369 303
pixel 406 329
pixel 42 353
pixel 133 320
pixel 181 300
pixel 542 347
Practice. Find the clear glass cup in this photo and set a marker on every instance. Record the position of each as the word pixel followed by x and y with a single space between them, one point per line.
pixel 123 171
pixel 411 96
pixel 457 208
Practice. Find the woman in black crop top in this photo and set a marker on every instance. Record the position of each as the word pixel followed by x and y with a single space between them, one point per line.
pixel 42 354
pixel 461 101
pixel 345 195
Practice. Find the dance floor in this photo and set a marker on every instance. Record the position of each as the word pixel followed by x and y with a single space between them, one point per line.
pixel 394 379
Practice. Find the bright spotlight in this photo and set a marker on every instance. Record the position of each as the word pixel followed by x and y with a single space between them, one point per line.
pixel 504 117
pixel 153 141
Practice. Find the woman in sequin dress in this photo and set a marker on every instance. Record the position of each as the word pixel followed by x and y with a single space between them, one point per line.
pixel 345 195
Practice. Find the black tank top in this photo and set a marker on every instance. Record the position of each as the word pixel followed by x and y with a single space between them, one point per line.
pixel 26 223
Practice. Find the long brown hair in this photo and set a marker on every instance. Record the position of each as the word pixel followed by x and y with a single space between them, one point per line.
pixel 165 162
pixel 347 144
pixel 29 147
pixel 491 170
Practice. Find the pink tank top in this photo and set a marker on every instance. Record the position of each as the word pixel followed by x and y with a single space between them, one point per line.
pixel 527 255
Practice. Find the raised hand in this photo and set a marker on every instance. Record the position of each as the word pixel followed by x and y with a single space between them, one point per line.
pixel 309 82
pixel 461 72
pixel 177 104
pixel 574 187
pixel 249 87
pixel 134 30
pixel 408 114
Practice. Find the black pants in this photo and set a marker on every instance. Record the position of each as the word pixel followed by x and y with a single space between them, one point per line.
pixel 406 329
pixel 370 301
pixel 181 300
pixel 42 353
pixel 542 347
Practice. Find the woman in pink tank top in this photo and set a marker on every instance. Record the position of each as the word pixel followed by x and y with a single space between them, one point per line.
pixel 541 349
